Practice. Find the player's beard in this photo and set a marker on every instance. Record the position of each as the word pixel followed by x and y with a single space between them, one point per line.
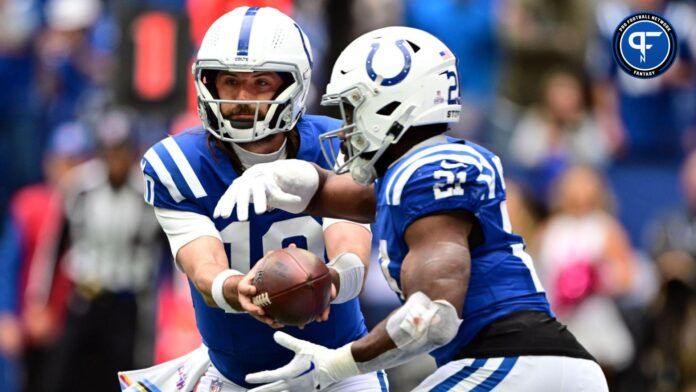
pixel 240 110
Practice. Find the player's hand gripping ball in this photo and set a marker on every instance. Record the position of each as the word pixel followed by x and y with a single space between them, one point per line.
pixel 293 286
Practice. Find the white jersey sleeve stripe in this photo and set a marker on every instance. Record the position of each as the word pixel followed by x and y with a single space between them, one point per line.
pixel 409 161
pixel 507 225
pixel 499 168
pixel 465 159
pixel 164 176
pixel 449 147
pixel 184 167
pixel 518 250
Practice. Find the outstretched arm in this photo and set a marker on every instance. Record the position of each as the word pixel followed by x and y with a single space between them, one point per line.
pixel 297 186
pixel 338 196
pixel 199 253
pixel 201 260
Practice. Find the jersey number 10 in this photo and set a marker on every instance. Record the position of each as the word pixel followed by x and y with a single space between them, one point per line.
pixel 237 235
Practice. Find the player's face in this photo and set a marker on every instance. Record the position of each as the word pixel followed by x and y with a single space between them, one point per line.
pixel 246 86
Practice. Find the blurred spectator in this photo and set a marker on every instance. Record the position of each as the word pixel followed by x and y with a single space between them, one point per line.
pixel 585 261
pixel 525 215
pixel 370 15
pixel 20 137
pixel 538 35
pixel 112 244
pixel 670 352
pixel 312 18
pixel 559 129
pixel 644 119
pixel 29 231
pixel 470 30
pixel 71 62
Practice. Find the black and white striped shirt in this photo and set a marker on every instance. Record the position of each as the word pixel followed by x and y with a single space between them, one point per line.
pixel 115 241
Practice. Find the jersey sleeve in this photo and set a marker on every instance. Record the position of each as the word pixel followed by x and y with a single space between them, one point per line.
pixel 450 184
pixel 328 222
pixel 182 227
pixel 163 188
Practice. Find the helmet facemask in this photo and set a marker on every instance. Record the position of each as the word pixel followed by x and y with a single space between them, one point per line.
pixel 360 149
pixel 281 115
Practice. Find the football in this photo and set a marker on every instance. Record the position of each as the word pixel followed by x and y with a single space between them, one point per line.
pixel 293 286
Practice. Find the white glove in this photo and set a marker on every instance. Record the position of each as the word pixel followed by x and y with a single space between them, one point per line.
pixel 287 184
pixel 314 367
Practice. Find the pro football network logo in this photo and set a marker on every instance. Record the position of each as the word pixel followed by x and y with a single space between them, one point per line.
pixel 644 45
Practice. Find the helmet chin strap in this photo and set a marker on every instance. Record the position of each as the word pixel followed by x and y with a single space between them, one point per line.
pixel 362 173
pixel 363 170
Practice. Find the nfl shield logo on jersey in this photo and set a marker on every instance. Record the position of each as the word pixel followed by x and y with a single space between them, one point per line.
pixel 216 385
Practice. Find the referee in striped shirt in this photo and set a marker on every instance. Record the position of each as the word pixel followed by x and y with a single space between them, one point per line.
pixel 110 247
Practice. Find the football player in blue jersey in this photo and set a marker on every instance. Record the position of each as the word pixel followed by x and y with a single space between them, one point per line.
pixel 471 297
pixel 252 76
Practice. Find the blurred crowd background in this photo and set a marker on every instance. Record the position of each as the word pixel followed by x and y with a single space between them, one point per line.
pixel 600 170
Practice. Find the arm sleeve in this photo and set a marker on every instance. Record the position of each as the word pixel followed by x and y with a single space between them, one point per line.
pixel 328 222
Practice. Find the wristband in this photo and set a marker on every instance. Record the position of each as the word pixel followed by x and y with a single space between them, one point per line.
pixel 343 364
pixel 351 274
pixel 217 292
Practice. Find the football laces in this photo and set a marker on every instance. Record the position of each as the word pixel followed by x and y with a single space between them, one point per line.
pixel 261 300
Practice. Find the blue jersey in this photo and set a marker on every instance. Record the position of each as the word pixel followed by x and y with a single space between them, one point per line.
pixel 187 173
pixel 457 175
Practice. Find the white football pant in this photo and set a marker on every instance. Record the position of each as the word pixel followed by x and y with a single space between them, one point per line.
pixel 370 382
pixel 519 374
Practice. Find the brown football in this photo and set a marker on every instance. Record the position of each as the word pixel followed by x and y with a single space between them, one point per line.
pixel 293 286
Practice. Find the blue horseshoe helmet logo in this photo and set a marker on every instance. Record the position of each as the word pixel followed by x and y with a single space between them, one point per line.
pixel 395 79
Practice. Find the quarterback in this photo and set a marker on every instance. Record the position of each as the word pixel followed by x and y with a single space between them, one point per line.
pixel 252 76
pixel 471 297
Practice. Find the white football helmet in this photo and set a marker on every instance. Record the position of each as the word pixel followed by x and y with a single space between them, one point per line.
pixel 253 39
pixel 394 78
